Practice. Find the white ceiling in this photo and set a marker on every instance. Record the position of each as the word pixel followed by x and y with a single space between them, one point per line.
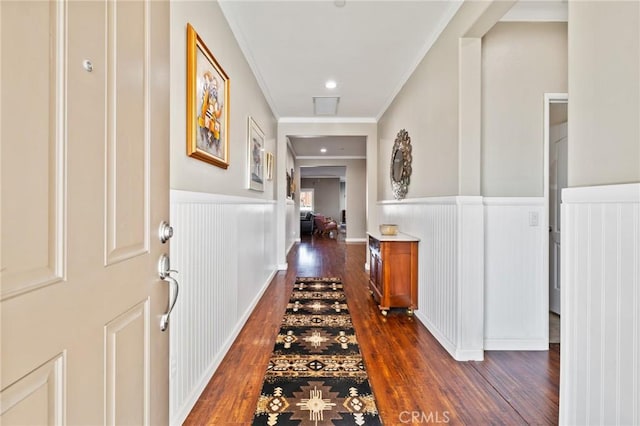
pixel 324 172
pixel 369 48
pixel 336 146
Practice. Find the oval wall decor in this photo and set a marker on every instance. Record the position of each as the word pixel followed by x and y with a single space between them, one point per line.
pixel 401 165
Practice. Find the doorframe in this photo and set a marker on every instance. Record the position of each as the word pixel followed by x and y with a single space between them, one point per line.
pixel 549 98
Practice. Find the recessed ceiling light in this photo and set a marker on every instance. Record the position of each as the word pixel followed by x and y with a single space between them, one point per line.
pixel 323 150
pixel 330 84
pixel 339 3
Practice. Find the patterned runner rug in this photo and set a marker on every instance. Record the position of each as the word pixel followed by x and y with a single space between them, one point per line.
pixel 316 375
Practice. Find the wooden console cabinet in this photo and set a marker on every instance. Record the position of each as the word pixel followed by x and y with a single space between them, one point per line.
pixel 393 271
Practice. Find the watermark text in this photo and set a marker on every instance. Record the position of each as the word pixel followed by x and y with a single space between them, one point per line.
pixel 424 417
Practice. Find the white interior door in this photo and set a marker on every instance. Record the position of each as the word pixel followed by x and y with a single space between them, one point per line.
pixel 557 182
pixel 84 134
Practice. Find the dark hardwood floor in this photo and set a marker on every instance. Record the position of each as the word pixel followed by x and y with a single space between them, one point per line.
pixel 413 378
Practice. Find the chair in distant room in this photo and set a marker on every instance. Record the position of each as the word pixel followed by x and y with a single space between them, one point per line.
pixel 325 226
pixel 306 223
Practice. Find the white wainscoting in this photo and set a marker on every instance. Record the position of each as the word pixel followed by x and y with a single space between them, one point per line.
pixel 516 288
pixel 450 284
pixel 293 228
pixel 224 251
pixel 600 351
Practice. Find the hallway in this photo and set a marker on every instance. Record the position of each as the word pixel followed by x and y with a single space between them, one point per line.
pixel 413 377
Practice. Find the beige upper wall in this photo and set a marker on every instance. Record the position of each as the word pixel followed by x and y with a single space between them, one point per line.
pixel 356 199
pixel 520 62
pixel 246 99
pixel 428 108
pixel 326 195
pixel 604 93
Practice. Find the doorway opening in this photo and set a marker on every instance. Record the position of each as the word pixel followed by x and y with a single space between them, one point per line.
pixel 555 179
pixel 327 184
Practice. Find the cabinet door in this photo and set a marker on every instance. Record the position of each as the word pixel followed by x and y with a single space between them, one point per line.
pixel 372 268
pixel 399 277
pixel 379 276
pixel 375 275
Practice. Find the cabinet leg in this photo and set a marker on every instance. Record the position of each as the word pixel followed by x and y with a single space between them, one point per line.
pixel 410 312
pixel 384 312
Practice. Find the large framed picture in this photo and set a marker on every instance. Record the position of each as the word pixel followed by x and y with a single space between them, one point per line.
pixel 255 150
pixel 207 104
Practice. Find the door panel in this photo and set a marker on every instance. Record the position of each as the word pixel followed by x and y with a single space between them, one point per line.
pixel 38 398
pixel 127 176
pixel 127 367
pixel 32 126
pixel 80 208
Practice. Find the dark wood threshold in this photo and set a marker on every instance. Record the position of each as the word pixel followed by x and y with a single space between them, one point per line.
pixel 413 378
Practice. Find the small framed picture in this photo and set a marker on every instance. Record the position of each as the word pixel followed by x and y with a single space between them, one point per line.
pixel 255 150
pixel 269 165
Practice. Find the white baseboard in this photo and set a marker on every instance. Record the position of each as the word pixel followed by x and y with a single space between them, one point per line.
pixel 457 354
pixel 293 243
pixel 355 240
pixel 283 267
pixel 469 355
pixel 516 345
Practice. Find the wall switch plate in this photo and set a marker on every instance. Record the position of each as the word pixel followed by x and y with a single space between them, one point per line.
pixel 534 219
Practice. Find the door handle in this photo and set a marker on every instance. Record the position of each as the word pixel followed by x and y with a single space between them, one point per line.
pixel 164 272
pixel 173 298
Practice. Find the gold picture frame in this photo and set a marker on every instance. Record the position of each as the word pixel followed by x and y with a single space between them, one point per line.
pixel 207 104
pixel 269 165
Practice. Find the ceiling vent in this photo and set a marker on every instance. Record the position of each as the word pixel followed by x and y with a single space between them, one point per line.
pixel 325 105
